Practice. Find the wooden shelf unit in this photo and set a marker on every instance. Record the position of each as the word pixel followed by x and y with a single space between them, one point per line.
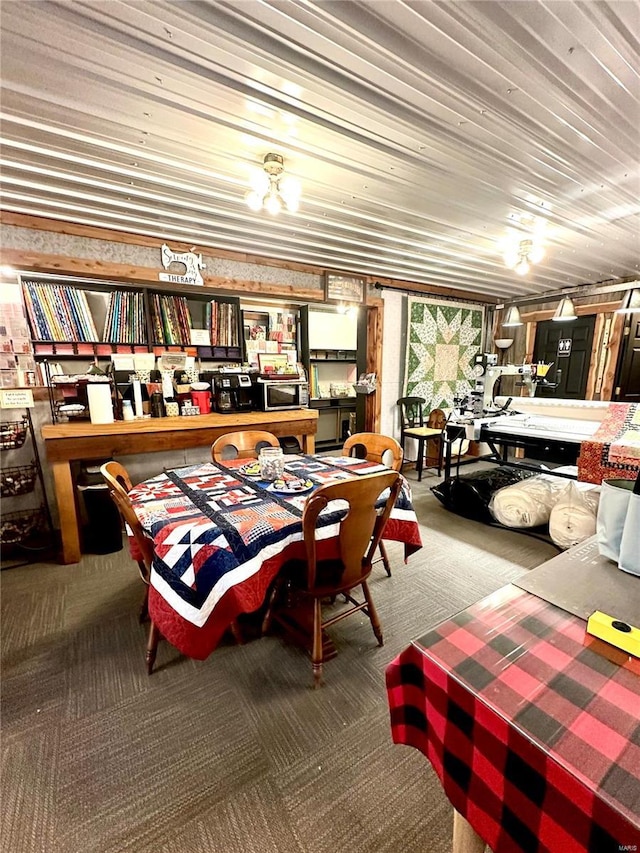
pixel 99 295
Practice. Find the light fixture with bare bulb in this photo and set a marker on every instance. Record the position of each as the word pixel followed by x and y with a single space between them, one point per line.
pixel 521 252
pixel 272 190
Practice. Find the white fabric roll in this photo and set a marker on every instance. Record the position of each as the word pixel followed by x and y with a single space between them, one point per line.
pixel 528 503
pixel 573 518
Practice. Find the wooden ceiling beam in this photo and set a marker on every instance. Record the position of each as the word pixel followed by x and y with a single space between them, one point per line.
pixel 92 232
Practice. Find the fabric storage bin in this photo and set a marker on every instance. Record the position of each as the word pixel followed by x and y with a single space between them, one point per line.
pixel 618 524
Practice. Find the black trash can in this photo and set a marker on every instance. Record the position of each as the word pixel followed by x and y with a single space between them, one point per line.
pixel 102 530
pixel 290 445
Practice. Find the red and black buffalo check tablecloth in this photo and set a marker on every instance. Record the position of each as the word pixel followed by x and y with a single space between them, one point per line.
pixel 221 537
pixel 535 736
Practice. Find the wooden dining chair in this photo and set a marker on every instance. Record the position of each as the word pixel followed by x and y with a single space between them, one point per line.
pixel 412 425
pixel 376 448
pixel 360 527
pixel 245 444
pixel 119 483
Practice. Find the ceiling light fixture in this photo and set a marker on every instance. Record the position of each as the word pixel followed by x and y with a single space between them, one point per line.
pixel 271 190
pixel 630 303
pixel 520 255
pixel 512 317
pixel 565 311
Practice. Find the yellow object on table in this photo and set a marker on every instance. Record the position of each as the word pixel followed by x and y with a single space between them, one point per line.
pixel 614 631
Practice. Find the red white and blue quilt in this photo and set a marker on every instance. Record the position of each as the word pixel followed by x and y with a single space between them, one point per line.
pixel 220 538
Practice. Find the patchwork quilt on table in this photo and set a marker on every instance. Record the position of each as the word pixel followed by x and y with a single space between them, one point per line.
pixel 614 449
pixel 213 527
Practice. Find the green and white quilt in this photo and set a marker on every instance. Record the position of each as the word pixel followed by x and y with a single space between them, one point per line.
pixel 443 339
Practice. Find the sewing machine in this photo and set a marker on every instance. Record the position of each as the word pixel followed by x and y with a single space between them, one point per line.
pixel 546 428
pixel 479 403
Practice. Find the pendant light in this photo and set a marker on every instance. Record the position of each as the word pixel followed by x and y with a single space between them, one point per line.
pixel 512 317
pixel 630 303
pixel 565 311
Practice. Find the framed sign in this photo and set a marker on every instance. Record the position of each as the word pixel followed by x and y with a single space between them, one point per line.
pixel 343 288
pixel 564 347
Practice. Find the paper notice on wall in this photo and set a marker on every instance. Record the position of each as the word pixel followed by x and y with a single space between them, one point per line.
pixel 20 398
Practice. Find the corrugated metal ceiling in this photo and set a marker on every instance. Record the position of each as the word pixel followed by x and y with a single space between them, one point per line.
pixel 417 129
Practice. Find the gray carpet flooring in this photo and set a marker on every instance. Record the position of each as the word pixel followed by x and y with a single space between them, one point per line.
pixel 237 753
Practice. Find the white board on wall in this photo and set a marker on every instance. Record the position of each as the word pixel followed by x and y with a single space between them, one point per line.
pixel 332 331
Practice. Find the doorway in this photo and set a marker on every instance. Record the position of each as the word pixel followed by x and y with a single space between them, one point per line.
pixel 568 347
pixel 628 384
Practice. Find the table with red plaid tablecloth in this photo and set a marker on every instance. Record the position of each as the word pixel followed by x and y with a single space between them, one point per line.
pixel 220 537
pixel 533 731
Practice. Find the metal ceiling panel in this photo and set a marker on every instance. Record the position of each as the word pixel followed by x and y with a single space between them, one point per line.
pixel 418 130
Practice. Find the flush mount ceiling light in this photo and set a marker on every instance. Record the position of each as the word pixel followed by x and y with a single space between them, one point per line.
pixel 512 317
pixel 630 303
pixel 523 245
pixel 272 190
pixel 521 254
pixel 565 311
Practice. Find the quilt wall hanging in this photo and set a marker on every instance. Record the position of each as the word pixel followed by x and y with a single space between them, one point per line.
pixel 443 339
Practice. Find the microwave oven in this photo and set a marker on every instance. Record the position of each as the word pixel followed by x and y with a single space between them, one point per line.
pixel 274 394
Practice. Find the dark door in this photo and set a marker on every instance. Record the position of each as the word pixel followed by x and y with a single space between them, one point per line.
pixel 628 385
pixel 568 347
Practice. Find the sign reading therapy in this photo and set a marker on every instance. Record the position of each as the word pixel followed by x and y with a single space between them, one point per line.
pixel 192 262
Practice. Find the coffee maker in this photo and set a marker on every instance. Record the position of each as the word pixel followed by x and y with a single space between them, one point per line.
pixel 232 392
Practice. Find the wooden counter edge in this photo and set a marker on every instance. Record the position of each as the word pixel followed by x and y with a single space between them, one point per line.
pixel 151 425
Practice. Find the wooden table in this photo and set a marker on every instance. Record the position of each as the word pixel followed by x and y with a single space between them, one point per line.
pixel 67 443
pixel 531 725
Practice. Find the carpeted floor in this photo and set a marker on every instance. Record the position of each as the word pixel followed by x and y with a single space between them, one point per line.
pixel 235 754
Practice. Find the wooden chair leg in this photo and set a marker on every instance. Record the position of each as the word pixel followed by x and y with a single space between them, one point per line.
pixel 268 616
pixel 143 615
pixel 420 462
pixel 316 653
pixel 385 558
pixel 236 633
pixel 373 614
pixel 152 647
